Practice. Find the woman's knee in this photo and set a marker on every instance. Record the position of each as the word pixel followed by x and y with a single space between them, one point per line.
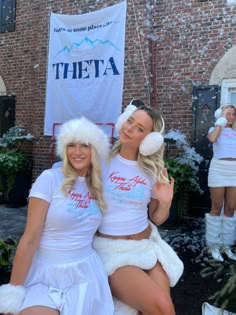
pixel 39 310
pixel 161 304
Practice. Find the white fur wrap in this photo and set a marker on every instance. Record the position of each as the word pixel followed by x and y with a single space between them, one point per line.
pixel 11 298
pixel 143 254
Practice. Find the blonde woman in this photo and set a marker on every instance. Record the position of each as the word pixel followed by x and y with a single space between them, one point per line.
pixel 140 265
pixel 220 227
pixel 56 271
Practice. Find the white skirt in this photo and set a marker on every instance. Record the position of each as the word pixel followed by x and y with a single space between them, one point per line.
pixel 73 282
pixel 222 173
pixel 143 254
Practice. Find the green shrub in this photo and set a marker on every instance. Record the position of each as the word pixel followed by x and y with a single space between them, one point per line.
pixel 7 252
pixel 13 162
pixel 13 159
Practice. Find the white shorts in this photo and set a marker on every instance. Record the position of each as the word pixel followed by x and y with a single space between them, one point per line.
pixel 143 254
pixel 73 282
pixel 222 173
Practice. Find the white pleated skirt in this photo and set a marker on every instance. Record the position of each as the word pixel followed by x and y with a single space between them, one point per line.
pixel 222 173
pixel 73 282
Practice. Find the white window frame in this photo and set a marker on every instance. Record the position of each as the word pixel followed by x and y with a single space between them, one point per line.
pixel 227 86
pixel 231 2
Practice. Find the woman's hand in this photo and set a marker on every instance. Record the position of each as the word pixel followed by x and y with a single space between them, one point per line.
pixel 159 208
pixel 164 192
pixel 224 112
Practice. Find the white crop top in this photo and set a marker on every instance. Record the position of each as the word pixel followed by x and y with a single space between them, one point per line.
pixel 127 192
pixel 225 145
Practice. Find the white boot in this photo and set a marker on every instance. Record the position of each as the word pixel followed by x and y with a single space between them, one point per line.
pixel 228 252
pixel 228 235
pixel 215 253
pixel 213 235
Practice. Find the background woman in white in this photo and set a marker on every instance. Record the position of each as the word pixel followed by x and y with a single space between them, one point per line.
pixel 56 270
pixel 220 228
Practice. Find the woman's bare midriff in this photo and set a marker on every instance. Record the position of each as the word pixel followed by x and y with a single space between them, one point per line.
pixel 228 159
pixel 138 236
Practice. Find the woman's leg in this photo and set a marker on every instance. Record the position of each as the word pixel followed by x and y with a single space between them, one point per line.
pixel 159 276
pixel 39 310
pixel 147 292
pixel 228 228
pixel 230 201
pixel 217 200
pixel 214 223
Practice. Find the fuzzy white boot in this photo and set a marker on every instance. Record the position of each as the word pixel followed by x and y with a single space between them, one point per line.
pixel 213 236
pixel 228 235
pixel 208 309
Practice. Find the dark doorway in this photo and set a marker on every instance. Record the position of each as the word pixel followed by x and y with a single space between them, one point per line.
pixel 206 100
pixel 7 113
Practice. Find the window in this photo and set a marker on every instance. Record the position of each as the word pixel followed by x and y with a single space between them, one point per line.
pixel 231 2
pixel 228 91
pixel 7 15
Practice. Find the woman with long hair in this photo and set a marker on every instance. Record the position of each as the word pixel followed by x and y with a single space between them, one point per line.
pixel 141 266
pixel 56 271
pixel 220 224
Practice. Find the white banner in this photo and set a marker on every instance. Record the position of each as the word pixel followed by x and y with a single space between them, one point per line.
pixel 85 66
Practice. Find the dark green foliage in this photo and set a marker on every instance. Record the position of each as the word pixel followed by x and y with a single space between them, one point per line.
pixel 186 177
pixel 7 252
pixel 13 159
pixel 225 298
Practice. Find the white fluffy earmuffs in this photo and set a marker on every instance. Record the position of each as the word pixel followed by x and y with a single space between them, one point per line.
pixel 218 112
pixel 152 142
pixel 221 121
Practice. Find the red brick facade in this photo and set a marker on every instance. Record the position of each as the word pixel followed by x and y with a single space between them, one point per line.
pixel 171 45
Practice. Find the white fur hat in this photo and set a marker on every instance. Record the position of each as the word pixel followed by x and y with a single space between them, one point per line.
pixel 85 131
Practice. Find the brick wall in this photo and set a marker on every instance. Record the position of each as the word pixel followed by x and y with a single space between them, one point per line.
pixel 170 46
pixel 191 37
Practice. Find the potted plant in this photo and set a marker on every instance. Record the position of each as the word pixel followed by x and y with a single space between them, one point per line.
pixel 7 253
pixel 15 165
pixel 184 169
